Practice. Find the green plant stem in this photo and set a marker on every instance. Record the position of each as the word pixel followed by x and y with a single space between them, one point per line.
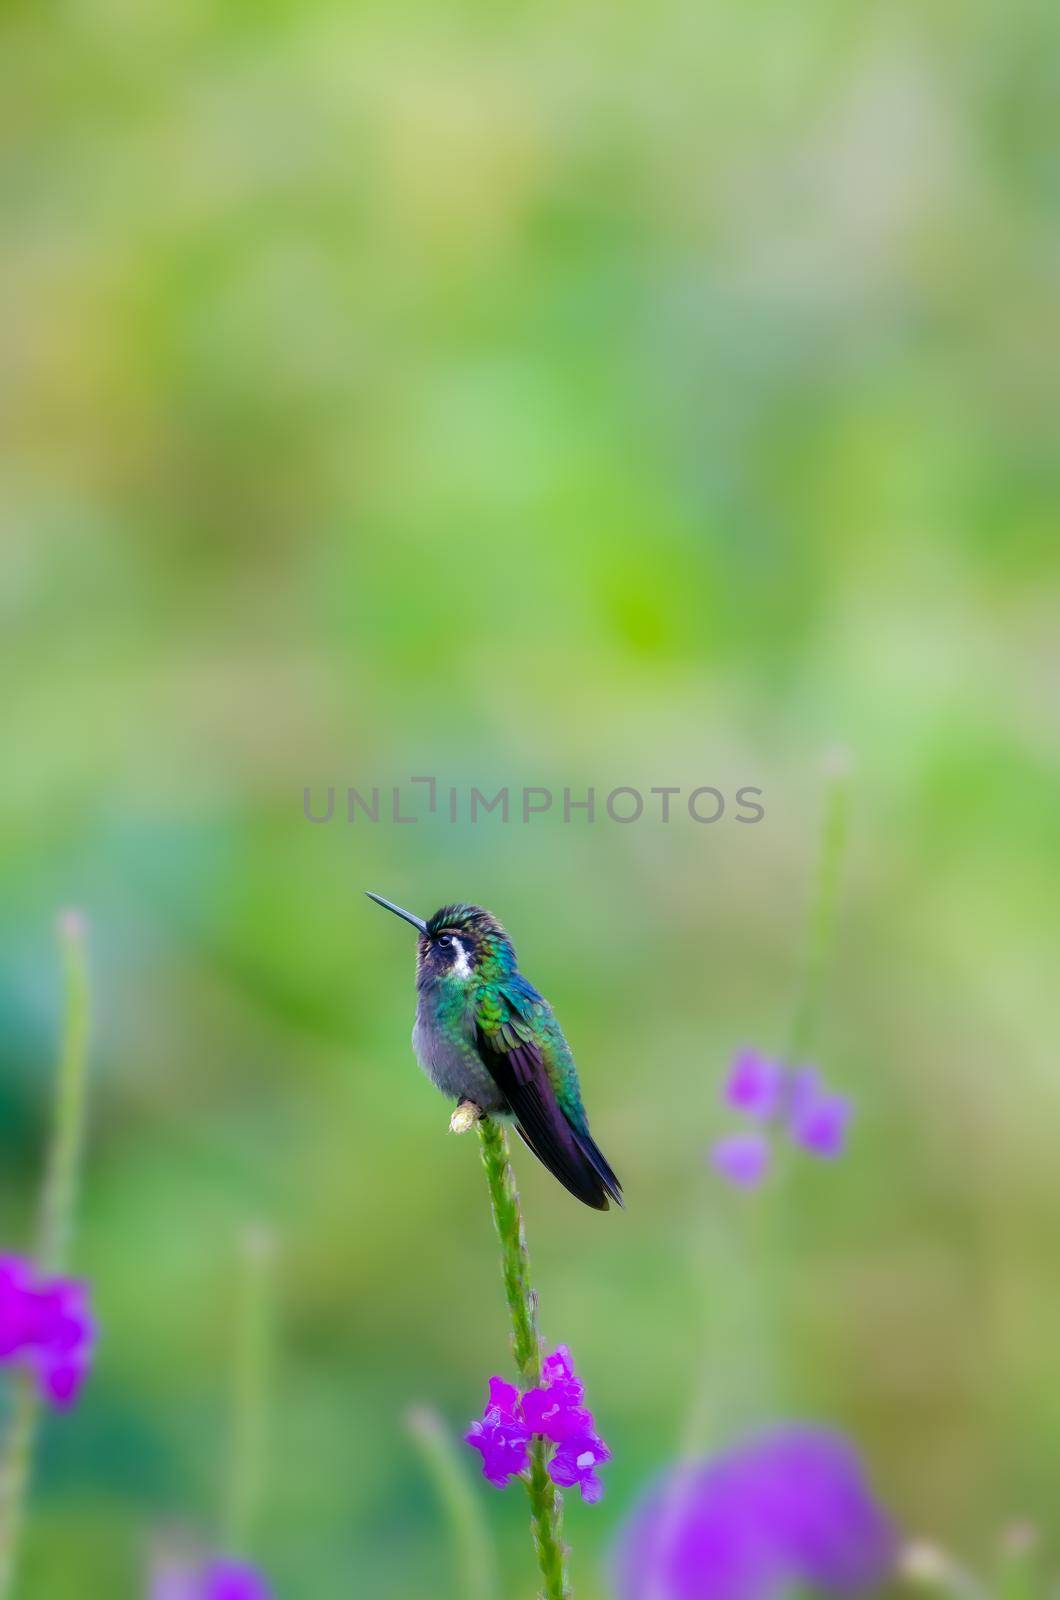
pixel 822 914
pixel 475 1563
pixel 252 1366
pixel 740 1314
pixel 58 1200
pixel 19 1443
pixel 546 1503
pixel 1020 1574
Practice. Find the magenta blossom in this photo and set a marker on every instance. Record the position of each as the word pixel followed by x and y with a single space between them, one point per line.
pixel 45 1325
pixel 216 1579
pixel 580 1451
pixel 502 1436
pixel 233 1580
pixel 742 1158
pixel 559 1393
pixel 755 1085
pixel 817 1120
pixel 551 1410
pixel 785 1509
pixel 792 1101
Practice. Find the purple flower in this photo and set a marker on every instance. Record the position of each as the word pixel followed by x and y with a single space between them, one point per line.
pixel 742 1158
pixel 216 1579
pixel 816 1119
pixel 580 1451
pixel 555 1410
pixel 502 1437
pixel 551 1410
pixel 787 1507
pixel 560 1393
pixel 560 1379
pixel 755 1085
pixel 775 1095
pixel 47 1326
pixel 173 1581
pixel 232 1580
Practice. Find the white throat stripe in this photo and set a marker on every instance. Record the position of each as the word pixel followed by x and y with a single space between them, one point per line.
pixel 461 966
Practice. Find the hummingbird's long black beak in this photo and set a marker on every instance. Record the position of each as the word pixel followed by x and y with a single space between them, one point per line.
pixel 417 922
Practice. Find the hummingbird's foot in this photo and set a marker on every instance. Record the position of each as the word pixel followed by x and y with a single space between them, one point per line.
pixel 464 1117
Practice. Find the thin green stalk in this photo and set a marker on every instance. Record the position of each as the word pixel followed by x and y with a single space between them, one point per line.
pixel 475 1563
pixel 822 915
pixel 729 1321
pixel 733 1364
pixel 55 1226
pixel 546 1502
pixel 252 1368
pixel 1019 1569
pixel 19 1443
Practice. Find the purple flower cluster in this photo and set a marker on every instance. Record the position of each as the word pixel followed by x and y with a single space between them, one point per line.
pixel 45 1324
pixel 552 1410
pixel 793 1099
pixel 213 1580
pixel 788 1508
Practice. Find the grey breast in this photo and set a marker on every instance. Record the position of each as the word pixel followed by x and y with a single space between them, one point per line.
pixel 454 1067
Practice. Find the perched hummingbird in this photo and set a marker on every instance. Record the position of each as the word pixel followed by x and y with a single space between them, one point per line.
pixel 484 1034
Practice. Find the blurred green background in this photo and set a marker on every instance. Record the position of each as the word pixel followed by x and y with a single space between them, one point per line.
pixel 532 394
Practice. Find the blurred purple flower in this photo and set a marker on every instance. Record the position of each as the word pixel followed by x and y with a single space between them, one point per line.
pixel 170 1581
pixel 817 1120
pixel 778 1096
pixel 551 1410
pixel 216 1579
pixel 755 1085
pixel 232 1580
pixel 46 1325
pixel 502 1437
pixel 788 1507
pixel 742 1158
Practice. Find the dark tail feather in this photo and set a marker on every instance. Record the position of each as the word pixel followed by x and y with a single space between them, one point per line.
pixel 598 1161
pixel 568 1162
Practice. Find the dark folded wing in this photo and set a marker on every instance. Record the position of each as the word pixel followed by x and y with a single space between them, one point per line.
pixel 517 1067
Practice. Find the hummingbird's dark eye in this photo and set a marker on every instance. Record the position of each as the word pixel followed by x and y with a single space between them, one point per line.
pixel 446 939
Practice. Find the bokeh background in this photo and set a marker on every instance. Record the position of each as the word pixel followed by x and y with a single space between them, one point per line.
pixel 532 394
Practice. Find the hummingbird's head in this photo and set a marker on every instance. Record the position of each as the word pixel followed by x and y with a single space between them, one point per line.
pixel 457 944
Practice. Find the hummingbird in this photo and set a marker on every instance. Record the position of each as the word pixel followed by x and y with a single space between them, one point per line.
pixel 484 1034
